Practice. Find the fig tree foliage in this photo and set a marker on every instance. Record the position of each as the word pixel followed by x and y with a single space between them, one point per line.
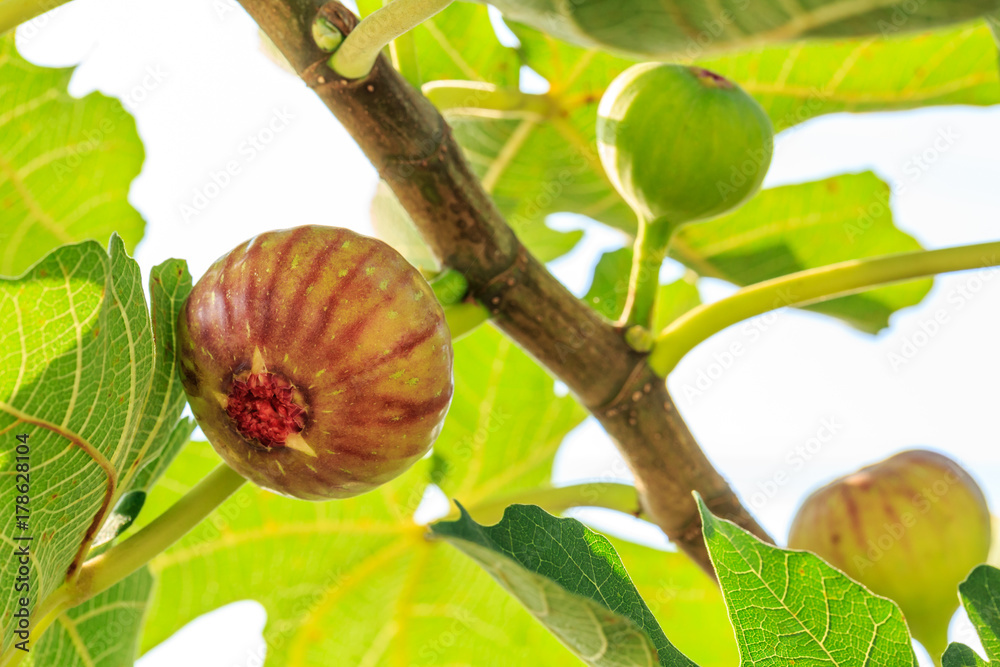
pixel 319 365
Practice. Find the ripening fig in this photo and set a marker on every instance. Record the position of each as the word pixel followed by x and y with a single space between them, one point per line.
pixel 682 144
pixel 317 361
pixel 909 528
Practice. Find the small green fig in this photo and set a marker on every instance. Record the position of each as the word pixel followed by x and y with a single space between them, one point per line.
pixel 909 528
pixel 681 143
pixel 317 361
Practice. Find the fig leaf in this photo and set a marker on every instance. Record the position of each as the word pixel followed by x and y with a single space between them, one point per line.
pixel 980 595
pixel 104 630
pixel 651 30
pixel 93 383
pixel 571 580
pixel 792 606
pixel 67 163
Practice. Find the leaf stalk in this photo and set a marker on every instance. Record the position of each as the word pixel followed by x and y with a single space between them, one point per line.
pixel 104 571
pixel 355 58
pixel 15 12
pixel 118 562
pixel 808 287
pixel 486 100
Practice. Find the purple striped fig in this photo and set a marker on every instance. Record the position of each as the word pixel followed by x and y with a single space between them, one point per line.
pixel 910 528
pixel 317 361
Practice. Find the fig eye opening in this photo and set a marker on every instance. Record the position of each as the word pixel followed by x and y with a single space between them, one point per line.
pixel 264 408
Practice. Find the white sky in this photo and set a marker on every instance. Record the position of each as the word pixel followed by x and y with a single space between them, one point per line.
pixel 202 92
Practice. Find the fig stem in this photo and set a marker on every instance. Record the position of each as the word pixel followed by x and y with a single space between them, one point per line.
pixel 555 500
pixel 356 56
pixel 104 571
pixel 123 559
pixel 649 251
pixel 450 287
pixel 486 100
pixel 464 318
pixel 15 12
pixel 808 287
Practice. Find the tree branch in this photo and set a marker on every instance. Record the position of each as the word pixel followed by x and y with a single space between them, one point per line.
pixel 412 147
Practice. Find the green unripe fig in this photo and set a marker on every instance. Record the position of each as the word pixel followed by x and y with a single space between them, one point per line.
pixel 909 528
pixel 317 361
pixel 682 144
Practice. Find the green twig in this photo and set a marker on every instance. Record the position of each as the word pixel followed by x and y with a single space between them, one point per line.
pixel 450 287
pixel 15 12
pixel 651 243
pixel 807 287
pixel 104 571
pixel 463 315
pixel 356 56
pixel 486 100
pixel 556 500
pixel 464 318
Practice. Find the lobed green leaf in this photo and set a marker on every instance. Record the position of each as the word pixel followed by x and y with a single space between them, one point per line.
pixel 571 580
pixel 82 376
pixel 65 164
pixel 505 423
pixel 102 632
pixel 980 595
pixel 653 30
pixel 808 225
pixel 790 607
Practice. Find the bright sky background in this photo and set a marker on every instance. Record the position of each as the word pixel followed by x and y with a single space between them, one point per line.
pixel 192 73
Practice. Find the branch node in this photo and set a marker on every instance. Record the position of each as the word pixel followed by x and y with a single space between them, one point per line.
pixel 437 154
pixel 626 395
pixel 493 290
